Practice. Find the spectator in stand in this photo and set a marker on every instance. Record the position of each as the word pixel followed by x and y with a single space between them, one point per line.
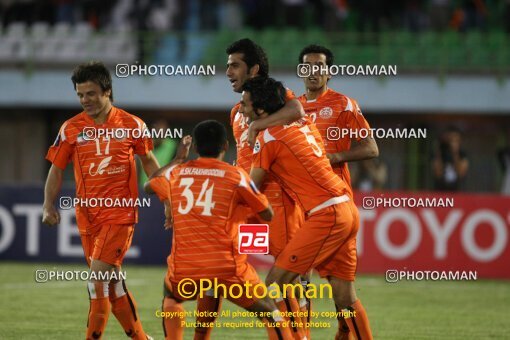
pixel 506 16
pixel 450 163
pixel 475 12
pixel 504 161
pixel 231 15
pixel 439 12
pixel 294 11
pixel 371 175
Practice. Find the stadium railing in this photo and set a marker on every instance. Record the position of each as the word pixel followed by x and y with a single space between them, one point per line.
pixel 429 52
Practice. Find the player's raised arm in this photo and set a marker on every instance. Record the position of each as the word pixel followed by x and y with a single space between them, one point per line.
pixel 249 193
pixel 149 163
pixel 290 112
pixel 180 156
pixel 169 220
pixel 51 190
pixel 257 175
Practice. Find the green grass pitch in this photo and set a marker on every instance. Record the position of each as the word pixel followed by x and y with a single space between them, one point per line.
pixel 404 310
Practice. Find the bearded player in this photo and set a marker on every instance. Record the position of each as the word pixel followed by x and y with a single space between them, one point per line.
pixel 247 60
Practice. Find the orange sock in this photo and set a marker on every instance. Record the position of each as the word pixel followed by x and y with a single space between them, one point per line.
pixel 207 304
pixel 305 306
pixel 99 309
pixel 289 307
pixel 356 318
pixel 297 325
pixel 305 311
pixel 343 332
pixel 277 328
pixel 124 309
pixel 172 327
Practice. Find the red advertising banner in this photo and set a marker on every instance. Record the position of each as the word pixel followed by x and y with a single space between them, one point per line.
pixel 432 231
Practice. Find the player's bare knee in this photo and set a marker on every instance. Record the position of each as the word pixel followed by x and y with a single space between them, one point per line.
pixel 116 279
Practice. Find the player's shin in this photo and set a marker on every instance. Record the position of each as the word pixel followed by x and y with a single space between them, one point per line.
pixel 124 309
pixel 357 320
pixel 99 309
pixel 172 325
pixel 305 306
pixel 206 306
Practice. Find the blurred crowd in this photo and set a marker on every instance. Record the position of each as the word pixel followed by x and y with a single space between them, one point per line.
pixel 210 15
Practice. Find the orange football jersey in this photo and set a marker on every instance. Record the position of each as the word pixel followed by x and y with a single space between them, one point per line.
pixel 295 155
pixel 103 167
pixel 204 195
pixel 240 125
pixel 333 110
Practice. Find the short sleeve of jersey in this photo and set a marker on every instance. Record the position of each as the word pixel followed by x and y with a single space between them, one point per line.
pixel 289 95
pixel 143 145
pixel 61 152
pixel 249 193
pixel 233 113
pixel 160 185
pixel 264 153
pixel 355 120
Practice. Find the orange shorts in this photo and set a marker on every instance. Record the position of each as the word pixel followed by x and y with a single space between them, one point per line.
pixel 242 295
pixel 286 221
pixel 108 243
pixel 326 241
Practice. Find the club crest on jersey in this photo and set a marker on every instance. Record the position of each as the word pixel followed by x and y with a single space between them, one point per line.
pixel 326 112
pixel 256 148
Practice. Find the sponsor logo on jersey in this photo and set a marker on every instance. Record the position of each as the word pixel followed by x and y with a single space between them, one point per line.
pixel 101 167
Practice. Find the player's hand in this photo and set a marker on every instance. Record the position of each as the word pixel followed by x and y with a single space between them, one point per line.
pixel 253 131
pixel 51 215
pixel 183 148
pixel 334 158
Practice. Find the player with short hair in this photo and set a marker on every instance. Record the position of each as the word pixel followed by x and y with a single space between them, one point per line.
pixel 327 239
pixel 334 113
pixel 204 195
pixel 331 112
pixel 103 168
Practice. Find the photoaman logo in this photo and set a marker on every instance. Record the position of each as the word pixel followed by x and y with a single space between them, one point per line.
pixel 253 239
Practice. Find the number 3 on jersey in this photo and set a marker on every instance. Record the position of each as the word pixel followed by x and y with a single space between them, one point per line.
pixel 204 198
